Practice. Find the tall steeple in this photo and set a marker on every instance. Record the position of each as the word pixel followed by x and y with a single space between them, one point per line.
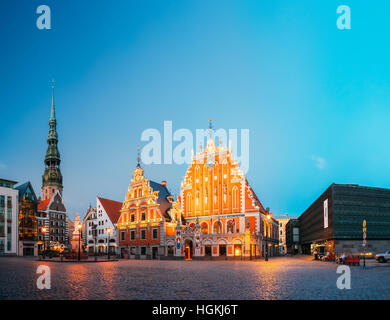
pixel 138 157
pixel 52 177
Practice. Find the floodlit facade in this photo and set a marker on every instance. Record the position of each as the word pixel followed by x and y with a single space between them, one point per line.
pixel 145 222
pixel 217 214
pixel 223 215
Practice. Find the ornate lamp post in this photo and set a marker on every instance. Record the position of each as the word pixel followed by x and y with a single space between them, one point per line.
pixel 44 230
pixel 79 227
pixel 94 232
pixel 266 238
pixel 108 242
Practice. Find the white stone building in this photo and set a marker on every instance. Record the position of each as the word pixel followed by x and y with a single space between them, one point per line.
pixel 282 233
pixel 96 224
pixel 9 218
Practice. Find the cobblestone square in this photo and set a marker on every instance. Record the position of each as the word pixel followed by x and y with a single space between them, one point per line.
pixel 279 278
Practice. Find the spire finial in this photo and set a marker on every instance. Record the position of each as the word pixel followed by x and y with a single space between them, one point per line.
pixel 52 113
pixel 138 156
pixel 210 129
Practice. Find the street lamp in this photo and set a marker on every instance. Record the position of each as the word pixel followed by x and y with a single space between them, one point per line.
pixel 94 232
pixel 108 242
pixel 79 227
pixel 266 238
pixel 44 230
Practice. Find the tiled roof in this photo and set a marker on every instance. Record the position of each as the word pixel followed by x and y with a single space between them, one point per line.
pixel 162 200
pixel 43 204
pixel 258 203
pixel 112 208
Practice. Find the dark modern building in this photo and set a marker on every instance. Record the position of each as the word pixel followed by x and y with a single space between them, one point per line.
pixel 334 222
pixel 292 237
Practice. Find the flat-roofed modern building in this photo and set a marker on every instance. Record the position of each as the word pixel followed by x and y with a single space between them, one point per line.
pixel 292 236
pixel 334 222
pixel 8 218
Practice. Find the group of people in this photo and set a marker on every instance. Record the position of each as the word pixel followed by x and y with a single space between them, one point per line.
pixel 328 256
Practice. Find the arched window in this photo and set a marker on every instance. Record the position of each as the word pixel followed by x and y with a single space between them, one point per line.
pixel 235 197
pixel 197 198
pixel 189 202
pixel 135 193
pixel 224 193
pixel 230 226
pixel 215 194
pixel 217 227
pixel 192 226
pixel 204 228
pixel 140 192
pixel 205 195
pixel 197 174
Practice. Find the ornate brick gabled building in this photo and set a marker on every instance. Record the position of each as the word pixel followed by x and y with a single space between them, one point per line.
pixel 145 222
pixel 223 215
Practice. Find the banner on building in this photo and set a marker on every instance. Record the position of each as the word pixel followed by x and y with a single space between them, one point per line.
pixel 325 213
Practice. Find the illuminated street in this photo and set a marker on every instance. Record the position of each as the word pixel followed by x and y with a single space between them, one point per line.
pixel 279 278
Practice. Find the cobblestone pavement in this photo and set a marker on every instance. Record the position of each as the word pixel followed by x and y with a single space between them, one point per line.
pixel 279 278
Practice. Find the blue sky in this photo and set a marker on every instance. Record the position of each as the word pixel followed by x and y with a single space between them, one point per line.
pixel 315 98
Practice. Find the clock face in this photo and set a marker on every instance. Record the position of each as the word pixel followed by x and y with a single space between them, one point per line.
pixel 53 175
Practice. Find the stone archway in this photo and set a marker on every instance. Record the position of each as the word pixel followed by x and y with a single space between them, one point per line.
pixel 188 249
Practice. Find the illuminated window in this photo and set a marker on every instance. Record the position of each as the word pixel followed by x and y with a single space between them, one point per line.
pixel 235 197
pixel 204 228
pixel 217 227
pixel 230 226
pixel 155 234
pixel 189 202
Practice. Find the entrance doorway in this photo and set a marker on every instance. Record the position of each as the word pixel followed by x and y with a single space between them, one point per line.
pixel 222 249
pixel 207 250
pixel 28 251
pixel 188 249
pixel 154 252
pixel 237 250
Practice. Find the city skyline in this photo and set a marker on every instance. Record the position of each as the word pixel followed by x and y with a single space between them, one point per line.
pixel 313 97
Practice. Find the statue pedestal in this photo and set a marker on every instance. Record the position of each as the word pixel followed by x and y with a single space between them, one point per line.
pixel 75 242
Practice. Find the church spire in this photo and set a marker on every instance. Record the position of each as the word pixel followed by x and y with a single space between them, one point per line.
pixel 53 111
pixel 138 157
pixel 52 177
